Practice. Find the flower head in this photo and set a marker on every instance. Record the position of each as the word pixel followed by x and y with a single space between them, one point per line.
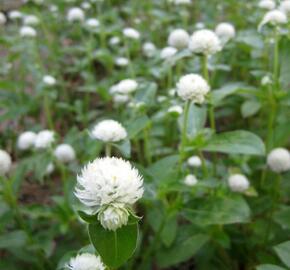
pixel 121 61
pixel 267 4
pixel 225 31
pixel 26 140
pixel 14 15
pixel 178 38
pixel 238 183
pixel 27 31
pixel 64 153
pixel 149 49
pixel 85 261
pixel 49 80
pixel 126 86
pixel 92 23
pixel 175 109
pixel 190 180
pixel 131 33
pixel 2 18
pixel 44 139
pixel 30 20
pixel 5 162
pixel 192 87
pixel 204 42
pixel 168 52
pixel 279 160
pixel 75 14
pixel 194 161
pixel 273 17
pixel 285 6
pixel 109 131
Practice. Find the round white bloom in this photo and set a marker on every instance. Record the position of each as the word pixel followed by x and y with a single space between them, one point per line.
pixel 180 2
pixel 64 153
pixel 273 17
pixel 92 23
pixel 107 181
pixel 109 131
pixel 30 20
pixel 27 31
pixel 279 160
pixel 192 87
pixel 5 162
pixel 205 42
pixel 168 52
pixel 199 25
pixel 225 31
pixel 190 180
pixel 285 6
pixel 267 4
pixel 266 80
pixel 172 92
pixel 120 99
pixel 131 33
pixel 75 14
pixel 127 86
pixel 44 139
pixel 238 183
pixel 161 99
pixel 26 140
pixel 85 261
pixel 15 14
pixel 113 217
pixel 114 41
pixel 49 169
pixel 86 5
pixel 2 18
pixel 179 39
pixel 175 109
pixel 49 80
pixel 121 61
pixel 53 9
pixel 194 161
pixel 149 49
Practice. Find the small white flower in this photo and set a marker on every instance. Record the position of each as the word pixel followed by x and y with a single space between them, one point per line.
pixel 179 39
pixel 199 25
pixel 267 4
pixel 127 86
pixel 121 61
pixel 274 17
pixel 64 153
pixel 168 52
pixel 180 2
pixel 26 140
pixel 190 180
pixel 161 99
pixel 285 6
pixel 44 139
pixel 49 80
pixel 14 15
pixel 131 33
pixel 225 31
pixel 172 92
pixel 204 42
pixel 2 18
pixel 49 169
pixel 27 31
pixel 120 99
pixel 149 49
pixel 192 87
pixel 86 5
pixel 266 80
pixel 75 14
pixel 85 261
pixel 279 160
pixel 109 131
pixel 92 23
pixel 194 161
pixel 114 41
pixel 175 109
pixel 238 183
pixel 5 162
pixel 30 20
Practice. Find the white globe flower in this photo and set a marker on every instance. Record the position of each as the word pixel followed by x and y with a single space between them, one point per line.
pixel 131 33
pixel 225 31
pixel 273 17
pixel 30 20
pixel 109 181
pixel 149 49
pixel 49 169
pixel 121 61
pixel 266 80
pixel 175 109
pixel 204 42
pixel 267 4
pixel 114 41
pixel 27 31
pixel 192 87
pixel 92 23
pixel 75 14
pixel 2 18
pixel 5 162
pixel 179 39
pixel 127 86
pixel 119 99
pixel 279 160
pixel 85 261
pixel 86 5
pixel 26 140
pixel 194 161
pixel 14 15
pixel 44 139
pixel 190 180
pixel 238 183
pixel 172 92
pixel 113 217
pixel 285 6
pixel 161 99
pixel 49 80
pixel 109 131
pixel 199 25
pixel 168 52
pixel 64 153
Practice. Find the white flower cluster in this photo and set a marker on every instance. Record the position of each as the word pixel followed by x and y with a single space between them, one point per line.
pixel 85 261
pixel 179 39
pixel 75 14
pixel 5 162
pixel 279 160
pixel 2 18
pixel 27 31
pixel 267 4
pixel 109 186
pixel 64 153
pixel 44 139
pixel 30 20
pixel 190 180
pixel 238 183
pixel 49 80
pixel 285 7
pixel 225 31
pixel 168 52
pixel 149 49
pixel 273 17
pixel 131 33
pixel 175 110
pixel 194 161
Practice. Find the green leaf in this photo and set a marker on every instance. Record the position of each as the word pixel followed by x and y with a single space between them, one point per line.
pixel 115 248
pixel 283 252
pixel 124 147
pixel 88 218
pixel 182 251
pixel 236 142
pixel 282 217
pixel 250 108
pixel 219 211
pixel 134 127
pixel 13 239
pixel 269 267
pixel 285 64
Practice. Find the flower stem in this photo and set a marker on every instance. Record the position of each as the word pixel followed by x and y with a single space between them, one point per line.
pixel 108 149
pixel 184 130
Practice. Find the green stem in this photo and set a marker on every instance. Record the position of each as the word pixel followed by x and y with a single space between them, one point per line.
pixel 184 130
pixel 108 149
pixel 47 111
pixel 147 151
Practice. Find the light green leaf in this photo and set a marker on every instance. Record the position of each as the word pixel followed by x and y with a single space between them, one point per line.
pixel 283 252
pixel 250 108
pixel 13 239
pixel 269 267
pixel 137 125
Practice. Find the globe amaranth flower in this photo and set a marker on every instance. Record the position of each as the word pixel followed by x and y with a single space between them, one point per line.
pixel 27 31
pixel 190 180
pixel 168 52
pixel 64 153
pixel 109 186
pixel 273 17
pixel 131 33
pixel 5 162
pixel 121 61
pixel 75 14
pixel 279 160
pixel 175 110
pixel 225 31
pixel 194 161
pixel 49 169
pixel 92 23
pixel 120 99
pixel 2 18
pixel 44 139
pixel 126 86
pixel 15 15
pixel 26 140
pixel 192 87
pixel 204 42
pixel 148 49
pixel 109 131
pixel 285 7
pixel 238 183
pixel 267 4
pixel 86 5
pixel 49 80
pixel 30 20
pixel 85 261
pixel 114 41
pixel 178 38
